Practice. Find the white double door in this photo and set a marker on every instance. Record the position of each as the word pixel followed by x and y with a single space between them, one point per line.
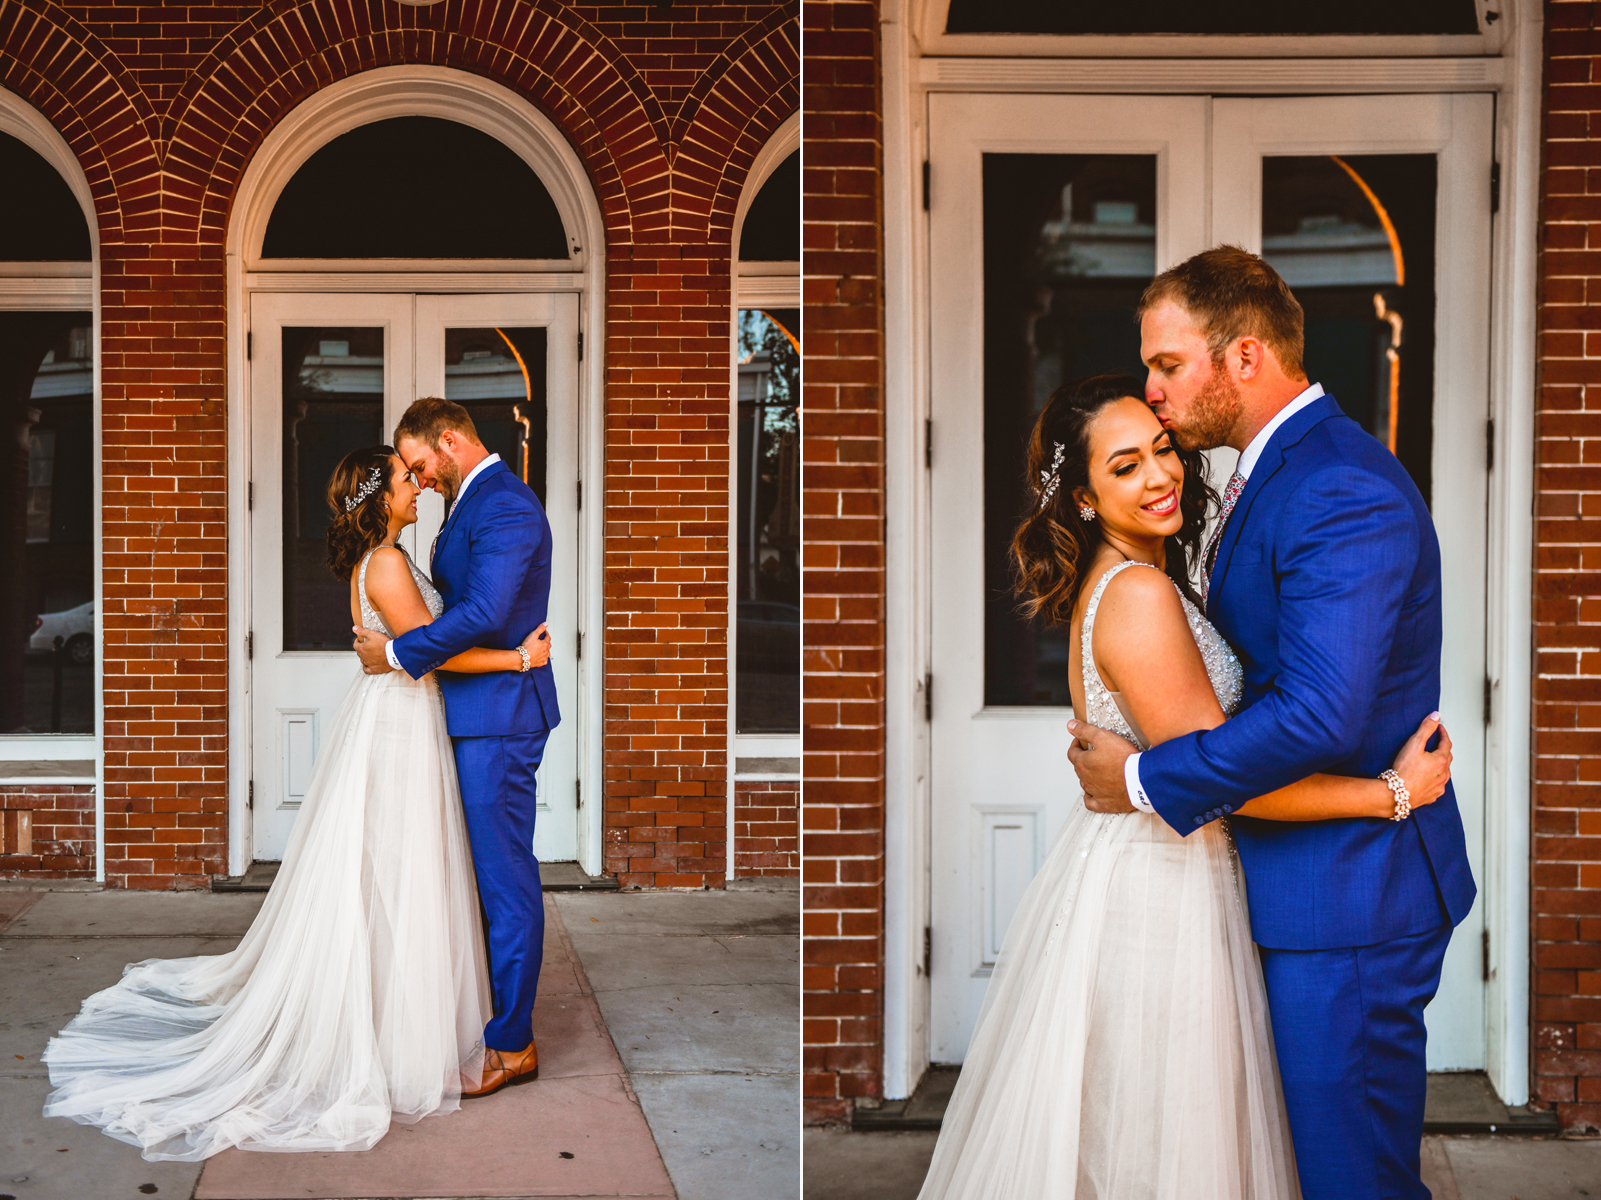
pixel 330 373
pixel 1001 784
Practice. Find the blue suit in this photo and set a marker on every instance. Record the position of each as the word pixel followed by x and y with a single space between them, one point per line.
pixel 1327 585
pixel 491 565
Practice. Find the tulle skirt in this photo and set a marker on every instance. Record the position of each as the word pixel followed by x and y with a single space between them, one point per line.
pixel 1123 1050
pixel 357 997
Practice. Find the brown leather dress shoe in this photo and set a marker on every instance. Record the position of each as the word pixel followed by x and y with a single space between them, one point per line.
pixel 506 1067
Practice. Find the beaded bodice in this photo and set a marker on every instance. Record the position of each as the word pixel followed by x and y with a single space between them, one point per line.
pixel 370 616
pixel 1222 667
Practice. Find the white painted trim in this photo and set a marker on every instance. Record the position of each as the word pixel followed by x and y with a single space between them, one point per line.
pixel 755 285
pixel 930 16
pixel 1510 574
pixel 501 113
pixel 19 119
pixel 49 747
pixel 910 73
pixel 53 294
pixel 48 270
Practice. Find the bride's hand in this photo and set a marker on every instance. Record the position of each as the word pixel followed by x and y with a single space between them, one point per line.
pixel 537 644
pixel 1425 772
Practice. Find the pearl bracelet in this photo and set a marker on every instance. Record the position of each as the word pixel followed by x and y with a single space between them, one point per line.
pixel 528 665
pixel 1403 798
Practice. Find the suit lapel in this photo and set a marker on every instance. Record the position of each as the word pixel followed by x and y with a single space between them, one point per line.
pixel 1268 465
pixel 455 510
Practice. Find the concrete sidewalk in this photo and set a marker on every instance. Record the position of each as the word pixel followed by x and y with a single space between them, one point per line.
pixel 578 1131
pixel 890 1165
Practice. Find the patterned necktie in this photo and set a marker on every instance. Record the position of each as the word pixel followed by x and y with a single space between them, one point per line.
pixel 1230 495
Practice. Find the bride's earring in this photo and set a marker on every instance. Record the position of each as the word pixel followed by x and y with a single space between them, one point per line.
pixel 1086 513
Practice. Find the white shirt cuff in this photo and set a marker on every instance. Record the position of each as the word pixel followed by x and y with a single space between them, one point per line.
pixel 389 653
pixel 1131 781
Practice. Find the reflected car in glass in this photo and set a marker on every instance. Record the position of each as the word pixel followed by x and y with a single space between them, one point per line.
pixel 74 626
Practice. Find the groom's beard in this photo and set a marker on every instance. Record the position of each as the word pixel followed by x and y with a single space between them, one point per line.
pixel 1212 415
pixel 448 476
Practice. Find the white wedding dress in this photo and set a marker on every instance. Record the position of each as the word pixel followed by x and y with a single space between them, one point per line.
pixel 359 995
pixel 1123 1050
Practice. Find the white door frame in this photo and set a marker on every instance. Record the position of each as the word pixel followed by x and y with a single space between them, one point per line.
pixel 1515 78
pixel 496 110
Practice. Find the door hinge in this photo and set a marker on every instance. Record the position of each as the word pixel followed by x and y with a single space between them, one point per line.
pixel 1489 445
pixel 925 184
pixel 250 796
pixel 580 345
pixel 1484 955
pixel 578 792
pixel 250 497
pixel 928 951
pixel 928 443
pixel 1486 699
pixel 1495 188
pixel 578 638
pixel 580 495
pixel 249 645
pixel 928 697
pixel 249 347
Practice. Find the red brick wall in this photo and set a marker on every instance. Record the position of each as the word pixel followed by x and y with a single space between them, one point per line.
pixel 62 820
pixel 842 580
pixel 1567 632
pixel 164 106
pixel 767 828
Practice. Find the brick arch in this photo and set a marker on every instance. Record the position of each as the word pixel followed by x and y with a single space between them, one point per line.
pixel 86 93
pixel 719 134
pixel 540 50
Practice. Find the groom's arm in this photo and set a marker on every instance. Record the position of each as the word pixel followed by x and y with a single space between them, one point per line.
pixel 500 553
pixel 1344 561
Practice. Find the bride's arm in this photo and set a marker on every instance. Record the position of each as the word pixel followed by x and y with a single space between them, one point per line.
pixel 1146 653
pixel 394 594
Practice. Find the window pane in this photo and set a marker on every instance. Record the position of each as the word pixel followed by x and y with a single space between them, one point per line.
pixel 498 376
pixel 40 218
pixel 333 403
pixel 47 557
pixel 767 511
pixel 1069 245
pixel 1213 16
pixel 771 232
pixel 415 187
pixel 1354 239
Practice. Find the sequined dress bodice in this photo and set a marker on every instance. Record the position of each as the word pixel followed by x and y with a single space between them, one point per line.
pixel 1222 667
pixel 430 595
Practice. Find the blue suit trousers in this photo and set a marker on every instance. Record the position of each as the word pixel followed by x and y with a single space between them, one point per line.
pixel 499 799
pixel 1348 1029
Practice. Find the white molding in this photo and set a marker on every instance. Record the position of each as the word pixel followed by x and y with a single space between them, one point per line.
pixel 53 294
pixel 48 747
pixel 458 96
pixel 1212 76
pixel 47 270
pixel 19 119
pixel 755 285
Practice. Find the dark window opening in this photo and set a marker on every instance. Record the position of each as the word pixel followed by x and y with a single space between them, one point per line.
pixel 1213 16
pixel 771 232
pixel 498 376
pixel 767 510
pixel 40 218
pixel 415 187
pixel 47 610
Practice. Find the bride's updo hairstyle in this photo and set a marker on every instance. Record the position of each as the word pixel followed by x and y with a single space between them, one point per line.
pixel 1053 544
pixel 359 520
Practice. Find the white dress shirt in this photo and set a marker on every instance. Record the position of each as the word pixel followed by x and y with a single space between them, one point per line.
pixel 389 646
pixel 1248 460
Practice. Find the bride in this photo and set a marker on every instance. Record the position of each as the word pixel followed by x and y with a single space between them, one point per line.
pixel 359 995
pixel 1123 1050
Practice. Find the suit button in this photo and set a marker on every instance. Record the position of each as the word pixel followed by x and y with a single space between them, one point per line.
pixel 1199 821
pixel 1228 808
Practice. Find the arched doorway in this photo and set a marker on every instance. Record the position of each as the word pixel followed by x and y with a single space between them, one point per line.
pixel 408 232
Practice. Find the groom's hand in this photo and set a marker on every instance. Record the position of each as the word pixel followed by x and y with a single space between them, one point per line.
pixel 369 647
pixel 1098 757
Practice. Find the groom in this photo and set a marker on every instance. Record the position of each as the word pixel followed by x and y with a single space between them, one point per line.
pixel 1324 576
pixel 491 564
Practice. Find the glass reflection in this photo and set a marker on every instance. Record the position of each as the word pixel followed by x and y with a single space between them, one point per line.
pixel 46 556
pixel 1069 245
pixel 333 403
pixel 498 376
pixel 1354 239
pixel 767 513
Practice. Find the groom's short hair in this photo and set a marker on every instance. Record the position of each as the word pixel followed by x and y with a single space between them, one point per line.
pixel 1231 293
pixel 429 417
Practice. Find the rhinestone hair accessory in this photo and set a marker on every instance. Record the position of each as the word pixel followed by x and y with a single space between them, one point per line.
pixel 1050 479
pixel 366 489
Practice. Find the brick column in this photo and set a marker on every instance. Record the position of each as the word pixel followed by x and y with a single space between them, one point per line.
pixel 1567 600
pixel 842 579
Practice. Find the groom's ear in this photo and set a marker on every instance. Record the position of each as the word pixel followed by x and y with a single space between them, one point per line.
pixel 1252 355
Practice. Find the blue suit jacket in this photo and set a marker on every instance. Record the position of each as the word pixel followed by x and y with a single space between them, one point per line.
pixel 492 567
pixel 1327 585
